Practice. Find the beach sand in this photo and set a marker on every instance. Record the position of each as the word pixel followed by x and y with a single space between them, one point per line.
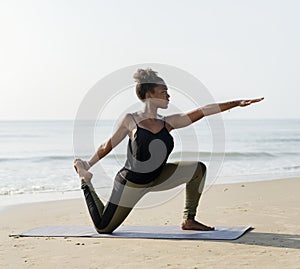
pixel 271 207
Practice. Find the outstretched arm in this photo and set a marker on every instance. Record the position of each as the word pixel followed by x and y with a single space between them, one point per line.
pixel 182 120
pixel 112 142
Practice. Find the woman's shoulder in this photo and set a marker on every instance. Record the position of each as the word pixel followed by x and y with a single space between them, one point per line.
pixel 128 120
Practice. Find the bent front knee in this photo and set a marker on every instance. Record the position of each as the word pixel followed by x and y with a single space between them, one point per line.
pixel 201 169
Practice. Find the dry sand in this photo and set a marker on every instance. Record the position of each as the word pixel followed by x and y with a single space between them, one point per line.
pixel 271 207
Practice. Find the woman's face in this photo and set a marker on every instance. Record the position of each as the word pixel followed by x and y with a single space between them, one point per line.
pixel 160 97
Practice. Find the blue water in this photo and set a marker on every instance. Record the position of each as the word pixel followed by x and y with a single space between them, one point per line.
pixel 36 156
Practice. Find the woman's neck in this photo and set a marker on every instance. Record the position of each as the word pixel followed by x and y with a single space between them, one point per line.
pixel 150 112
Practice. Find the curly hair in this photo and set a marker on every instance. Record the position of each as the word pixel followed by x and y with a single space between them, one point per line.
pixel 146 80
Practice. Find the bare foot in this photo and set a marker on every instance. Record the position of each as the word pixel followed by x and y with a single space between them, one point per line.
pixel 82 172
pixel 191 224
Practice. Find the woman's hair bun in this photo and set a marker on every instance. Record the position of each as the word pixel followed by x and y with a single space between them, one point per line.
pixel 146 76
pixel 146 80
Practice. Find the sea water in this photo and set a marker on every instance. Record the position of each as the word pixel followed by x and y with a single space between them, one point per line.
pixel 36 157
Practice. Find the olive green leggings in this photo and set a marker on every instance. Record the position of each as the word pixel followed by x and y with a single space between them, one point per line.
pixel 126 194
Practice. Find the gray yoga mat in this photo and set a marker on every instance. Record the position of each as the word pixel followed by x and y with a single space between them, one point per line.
pixel 151 232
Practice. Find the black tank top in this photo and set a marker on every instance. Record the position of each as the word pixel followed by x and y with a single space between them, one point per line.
pixel 147 153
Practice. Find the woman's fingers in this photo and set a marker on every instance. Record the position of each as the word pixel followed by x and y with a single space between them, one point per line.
pixel 248 102
pixel 257 100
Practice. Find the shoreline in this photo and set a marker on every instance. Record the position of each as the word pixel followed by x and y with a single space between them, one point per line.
pixel 41 197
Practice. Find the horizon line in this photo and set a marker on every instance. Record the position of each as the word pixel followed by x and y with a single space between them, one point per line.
pixel 6 120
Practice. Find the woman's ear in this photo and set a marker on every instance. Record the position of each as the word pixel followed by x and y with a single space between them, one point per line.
pixel 148 95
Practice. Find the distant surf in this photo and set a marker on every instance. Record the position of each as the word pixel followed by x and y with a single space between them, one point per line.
pixel 37 156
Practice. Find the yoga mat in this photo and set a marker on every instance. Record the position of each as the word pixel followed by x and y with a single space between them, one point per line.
pixel 150 232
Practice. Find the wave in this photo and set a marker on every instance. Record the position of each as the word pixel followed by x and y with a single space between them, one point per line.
pixel 193 154
pixel 39 158
pixel 35 189
pixel 232 154
pixel 184 154
pixel 283 140
pixel 297 167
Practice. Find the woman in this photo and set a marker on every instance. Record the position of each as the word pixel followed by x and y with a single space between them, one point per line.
pixel 146 168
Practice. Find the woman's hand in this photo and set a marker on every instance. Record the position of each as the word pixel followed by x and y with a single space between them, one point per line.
pixel 249 102
pixel 86 165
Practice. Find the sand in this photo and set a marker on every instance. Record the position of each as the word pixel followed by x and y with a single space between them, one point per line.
pixel 271 207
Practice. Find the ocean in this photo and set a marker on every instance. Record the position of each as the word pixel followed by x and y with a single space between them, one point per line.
pixel 36 157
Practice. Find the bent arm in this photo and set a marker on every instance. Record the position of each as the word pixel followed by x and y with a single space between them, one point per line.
pixel 182 120
pixel 112 142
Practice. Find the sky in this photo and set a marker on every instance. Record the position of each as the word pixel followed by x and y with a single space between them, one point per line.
pixel 53 52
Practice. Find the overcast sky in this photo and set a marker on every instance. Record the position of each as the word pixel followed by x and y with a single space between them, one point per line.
pixel 52 52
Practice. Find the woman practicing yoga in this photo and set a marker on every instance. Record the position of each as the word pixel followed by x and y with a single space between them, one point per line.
pixel 146 168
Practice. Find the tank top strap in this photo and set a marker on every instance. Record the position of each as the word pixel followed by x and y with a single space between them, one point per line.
pixel 134 120
pixel 164 119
